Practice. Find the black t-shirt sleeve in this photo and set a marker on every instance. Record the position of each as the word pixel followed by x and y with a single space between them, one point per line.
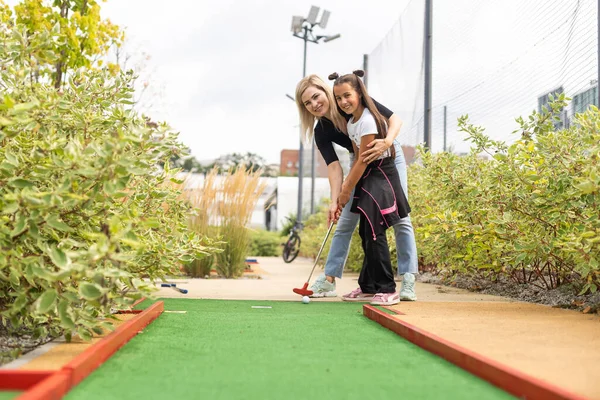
pixel 386 112
pixel 325 145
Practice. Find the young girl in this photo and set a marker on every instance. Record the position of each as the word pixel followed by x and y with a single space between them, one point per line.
pixel 378 195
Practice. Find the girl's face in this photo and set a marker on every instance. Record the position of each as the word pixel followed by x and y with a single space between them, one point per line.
pixel 347 98
pixel 315 101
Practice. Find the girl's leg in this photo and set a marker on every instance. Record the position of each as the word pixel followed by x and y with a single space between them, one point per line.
pixel 380 269
pixel 377 275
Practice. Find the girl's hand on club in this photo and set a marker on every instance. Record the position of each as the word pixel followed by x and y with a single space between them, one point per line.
pixel 375 149
pixel 343 198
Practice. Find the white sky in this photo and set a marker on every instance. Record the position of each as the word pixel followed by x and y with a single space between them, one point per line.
pixel 218 72
pixel 221 69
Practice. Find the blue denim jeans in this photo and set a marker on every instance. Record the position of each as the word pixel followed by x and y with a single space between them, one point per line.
pixel 406 247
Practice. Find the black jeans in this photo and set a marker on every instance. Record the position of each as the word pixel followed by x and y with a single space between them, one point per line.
pixel 376 275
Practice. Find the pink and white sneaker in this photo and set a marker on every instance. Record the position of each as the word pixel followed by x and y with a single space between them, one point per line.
pixel 357 295
pixel 385 299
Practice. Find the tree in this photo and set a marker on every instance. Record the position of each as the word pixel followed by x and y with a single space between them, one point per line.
pixel 249 161
pixel 82 36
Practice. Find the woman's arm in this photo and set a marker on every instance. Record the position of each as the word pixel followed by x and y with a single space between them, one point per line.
pixel 336 176
pixel 357 170
pixel 378 146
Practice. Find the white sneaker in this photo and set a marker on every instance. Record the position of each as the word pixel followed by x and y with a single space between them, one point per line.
pixel 323 288
pixel 407 290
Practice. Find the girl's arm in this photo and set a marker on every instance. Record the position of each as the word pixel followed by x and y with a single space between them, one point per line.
pixel 357 170
pixel 378 146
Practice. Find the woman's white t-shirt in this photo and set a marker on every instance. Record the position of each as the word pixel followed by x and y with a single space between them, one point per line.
pixel 364 126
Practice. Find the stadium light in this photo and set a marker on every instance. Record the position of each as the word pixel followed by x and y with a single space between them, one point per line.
pixel 302 28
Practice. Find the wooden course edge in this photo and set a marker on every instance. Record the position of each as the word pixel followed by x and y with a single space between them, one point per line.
pixel 509 379
pixel 53 385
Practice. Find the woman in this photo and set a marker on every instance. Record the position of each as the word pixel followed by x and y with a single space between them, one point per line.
pixel 316 103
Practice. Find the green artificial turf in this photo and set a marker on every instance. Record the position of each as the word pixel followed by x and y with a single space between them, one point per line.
pixel 6 395
pixel 228 350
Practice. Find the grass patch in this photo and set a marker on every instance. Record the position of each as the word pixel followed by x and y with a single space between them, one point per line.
pixel 227 349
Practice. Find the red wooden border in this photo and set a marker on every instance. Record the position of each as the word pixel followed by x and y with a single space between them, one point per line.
pixel 21 380
pixel 138 301
pixel 55 384
pixel 86 362
pixel 502 376
pixel 52 388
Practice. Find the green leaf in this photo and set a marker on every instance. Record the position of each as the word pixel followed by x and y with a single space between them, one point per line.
pixel 72 297
pixel 90 291
pixel 15 277
pixel 63 313
pixel 5 121
pixel 84 334
pixel 586 187
pixel 20 226
pixel 152 222
pixel 20 302
pixel 56 223
pixel 20 183
pixel 46 301
pixel 58 257
pixel 24 106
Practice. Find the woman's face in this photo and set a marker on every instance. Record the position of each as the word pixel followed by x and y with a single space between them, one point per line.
pixel 346 97
pixel 315 101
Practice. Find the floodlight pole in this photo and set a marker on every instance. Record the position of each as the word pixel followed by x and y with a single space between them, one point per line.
pixel 308 37
pixel 428 50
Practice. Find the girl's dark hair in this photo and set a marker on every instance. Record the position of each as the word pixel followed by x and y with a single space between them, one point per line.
pixel 357 84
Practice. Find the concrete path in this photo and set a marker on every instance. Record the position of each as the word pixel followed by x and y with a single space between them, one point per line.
pixel 277 279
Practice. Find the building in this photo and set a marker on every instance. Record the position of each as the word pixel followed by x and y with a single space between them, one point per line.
pixel 544 101
pixel 584 99
pixel 289 163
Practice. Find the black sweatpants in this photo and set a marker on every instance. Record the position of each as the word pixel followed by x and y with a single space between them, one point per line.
pixel 376 275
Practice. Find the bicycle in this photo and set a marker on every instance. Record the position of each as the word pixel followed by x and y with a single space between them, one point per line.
pixel 291 248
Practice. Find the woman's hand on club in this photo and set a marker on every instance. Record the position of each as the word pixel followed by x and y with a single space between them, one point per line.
pixel 333 214
pixel 375 150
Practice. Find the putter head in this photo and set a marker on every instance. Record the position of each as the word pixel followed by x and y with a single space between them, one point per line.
pixel 304 291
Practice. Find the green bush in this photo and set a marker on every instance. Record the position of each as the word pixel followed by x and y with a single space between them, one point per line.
pixel 265 243
pixel 87 211
pixel 530 211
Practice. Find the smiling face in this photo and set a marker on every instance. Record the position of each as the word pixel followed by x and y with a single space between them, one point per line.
pixel 315 101
pixel 347 98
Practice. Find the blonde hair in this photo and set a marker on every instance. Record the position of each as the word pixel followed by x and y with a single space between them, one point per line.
pixel 307 120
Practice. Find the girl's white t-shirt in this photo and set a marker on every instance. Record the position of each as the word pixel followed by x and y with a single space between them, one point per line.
pixel 364 126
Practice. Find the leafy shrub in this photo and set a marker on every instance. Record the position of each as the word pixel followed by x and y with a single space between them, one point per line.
pixel 265 243
pixel 87 213
pixel 530 211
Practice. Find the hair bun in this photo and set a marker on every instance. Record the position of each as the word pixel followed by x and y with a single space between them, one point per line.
pixel 359 72
pixel 333 76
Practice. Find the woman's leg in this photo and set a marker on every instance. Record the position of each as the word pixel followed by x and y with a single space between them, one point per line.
pixel 338 252
pixel 340 244
pixel 406 246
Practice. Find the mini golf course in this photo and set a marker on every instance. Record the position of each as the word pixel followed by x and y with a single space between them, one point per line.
pixel 274 350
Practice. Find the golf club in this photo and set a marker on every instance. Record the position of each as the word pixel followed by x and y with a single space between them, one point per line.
pixel 304 291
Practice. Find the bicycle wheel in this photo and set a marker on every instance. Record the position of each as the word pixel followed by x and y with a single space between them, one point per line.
pixel 291 249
